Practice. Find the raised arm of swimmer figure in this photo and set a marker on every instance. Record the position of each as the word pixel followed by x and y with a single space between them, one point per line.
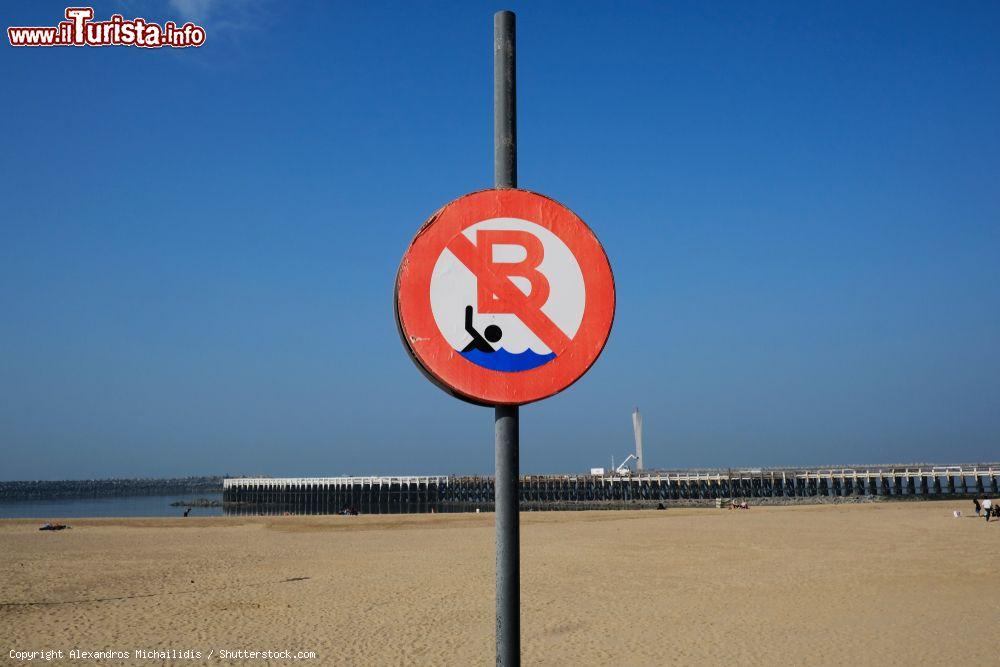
pixel 482 341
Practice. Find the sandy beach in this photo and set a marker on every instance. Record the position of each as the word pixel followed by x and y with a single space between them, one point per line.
pixel 886 583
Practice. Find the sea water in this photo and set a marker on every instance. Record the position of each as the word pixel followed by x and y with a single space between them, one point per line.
pixel 65 508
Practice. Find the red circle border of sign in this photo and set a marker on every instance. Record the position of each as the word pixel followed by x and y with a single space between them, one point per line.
pixel 445 366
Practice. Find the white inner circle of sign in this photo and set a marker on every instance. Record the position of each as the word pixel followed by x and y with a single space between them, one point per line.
pixel 454 286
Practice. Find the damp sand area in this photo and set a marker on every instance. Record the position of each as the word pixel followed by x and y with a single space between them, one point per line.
pixel 887 583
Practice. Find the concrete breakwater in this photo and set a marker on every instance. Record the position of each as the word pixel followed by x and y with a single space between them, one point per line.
pixel 416 494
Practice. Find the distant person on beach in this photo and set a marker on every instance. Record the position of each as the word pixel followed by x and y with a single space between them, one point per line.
pixel 54 526
pixel 481 341
pixel 975 501
pixel 987 506
pixel 187 511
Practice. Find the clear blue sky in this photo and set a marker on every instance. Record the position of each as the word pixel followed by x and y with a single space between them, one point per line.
pixel 801 203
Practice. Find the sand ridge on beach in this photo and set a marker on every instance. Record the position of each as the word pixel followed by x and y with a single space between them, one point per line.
pixel 887 583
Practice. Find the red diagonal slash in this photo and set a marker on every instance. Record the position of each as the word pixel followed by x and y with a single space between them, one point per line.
pixel 533 318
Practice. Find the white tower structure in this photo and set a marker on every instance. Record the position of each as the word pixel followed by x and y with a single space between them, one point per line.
pixel 637 429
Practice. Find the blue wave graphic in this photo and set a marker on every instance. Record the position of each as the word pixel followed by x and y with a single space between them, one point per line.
pixel 502 360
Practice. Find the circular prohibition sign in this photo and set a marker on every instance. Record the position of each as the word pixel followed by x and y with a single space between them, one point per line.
pixel 504 297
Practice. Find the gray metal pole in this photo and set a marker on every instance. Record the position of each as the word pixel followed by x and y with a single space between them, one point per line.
pixel 507 428
pixel 504 101
pixel 508 538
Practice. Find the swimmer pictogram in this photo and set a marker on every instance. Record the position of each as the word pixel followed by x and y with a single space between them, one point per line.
pixel 492 334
